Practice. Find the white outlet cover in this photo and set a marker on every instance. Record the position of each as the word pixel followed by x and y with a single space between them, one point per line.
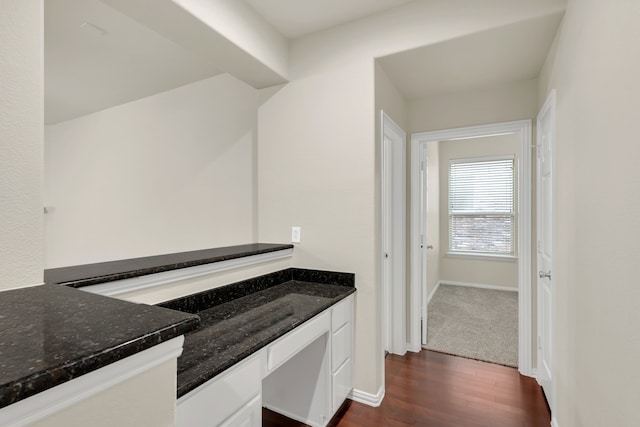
pixel 295 234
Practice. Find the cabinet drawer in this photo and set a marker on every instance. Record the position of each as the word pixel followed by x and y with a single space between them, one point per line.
pixel 342 385
pixel 287 346
pixel 248 416
pixel 341 313
pixel 219 398
pixel 341 346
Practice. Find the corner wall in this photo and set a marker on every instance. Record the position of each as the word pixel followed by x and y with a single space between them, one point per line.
pixel 594 68
pixel 317 155
pixel 21 158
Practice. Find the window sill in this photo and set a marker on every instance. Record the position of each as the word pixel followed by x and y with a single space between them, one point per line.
pixel 487 257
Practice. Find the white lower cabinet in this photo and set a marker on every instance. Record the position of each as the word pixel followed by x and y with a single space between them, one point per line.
pixel 342 385
pixel 248 416
pixel 220 398
pixel 341 351
pixel 307 374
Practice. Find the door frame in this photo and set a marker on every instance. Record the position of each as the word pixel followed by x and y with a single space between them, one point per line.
pixel 394 302
pixel 523 129
pixel 549 110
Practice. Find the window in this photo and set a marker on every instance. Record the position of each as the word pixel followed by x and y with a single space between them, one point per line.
pixel 481 206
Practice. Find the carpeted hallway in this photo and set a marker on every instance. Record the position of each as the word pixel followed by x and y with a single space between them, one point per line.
pixel 476 323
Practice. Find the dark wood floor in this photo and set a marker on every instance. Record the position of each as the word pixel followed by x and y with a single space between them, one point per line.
pixel 435 389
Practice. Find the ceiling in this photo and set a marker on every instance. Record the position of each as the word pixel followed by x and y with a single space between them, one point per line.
pixel 97 57
pixel 507 54
pixel 110 61
pixel 296 18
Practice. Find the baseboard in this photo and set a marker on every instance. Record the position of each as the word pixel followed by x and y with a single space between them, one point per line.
pixel 367 398
pixel 554 422
pixel 477 285
pixel 433 292
pixel 412 348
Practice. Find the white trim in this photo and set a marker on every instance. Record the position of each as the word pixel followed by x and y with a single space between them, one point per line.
pixel 394 316
pixel 433 291
pixel 119 287
pixel 554 422
pixel 367 398
pixel 56 399
pixel 460 160
pixel 523 129
pixel 412 349
pixel 482 256
pixel 23 286
pixel 477 285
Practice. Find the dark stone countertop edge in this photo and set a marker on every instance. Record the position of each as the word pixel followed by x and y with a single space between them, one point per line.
pixel 71 369
pixel 183 389
pixel 130 268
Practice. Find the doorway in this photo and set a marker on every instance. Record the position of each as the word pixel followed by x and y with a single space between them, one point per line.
pixel 419 241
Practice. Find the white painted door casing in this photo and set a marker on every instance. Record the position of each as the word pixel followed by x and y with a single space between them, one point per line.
pixel 545 246
pixel 393 188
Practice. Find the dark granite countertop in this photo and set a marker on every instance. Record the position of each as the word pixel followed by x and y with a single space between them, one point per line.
pixel 92 274
pixel 230 331
pixel 51 334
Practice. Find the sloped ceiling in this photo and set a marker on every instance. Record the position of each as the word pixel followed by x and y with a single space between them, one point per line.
pixel 507 54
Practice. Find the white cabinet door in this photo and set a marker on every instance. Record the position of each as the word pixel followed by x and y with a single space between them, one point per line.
pixel 341 352
pixel 218 399
pixel 249 416
pixel 342 385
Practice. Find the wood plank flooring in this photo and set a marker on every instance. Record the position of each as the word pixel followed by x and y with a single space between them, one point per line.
pixel 435 389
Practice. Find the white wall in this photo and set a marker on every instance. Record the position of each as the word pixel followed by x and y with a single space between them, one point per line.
pixel 594 68
pixel 168 173
pixel 21 121
pixel 501 103
pixel 317 156
pixel 503 273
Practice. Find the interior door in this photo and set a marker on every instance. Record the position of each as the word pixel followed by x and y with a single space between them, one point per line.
pixel 393 175
pixel 423 241
pixel 545 219
pixel 387 237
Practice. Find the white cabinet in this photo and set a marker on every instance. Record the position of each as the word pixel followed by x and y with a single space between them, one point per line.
pixel 250 415
pixel 223 396
pixel 306 375
pixel 341 351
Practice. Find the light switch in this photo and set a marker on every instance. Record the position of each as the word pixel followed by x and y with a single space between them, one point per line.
pixel 295 234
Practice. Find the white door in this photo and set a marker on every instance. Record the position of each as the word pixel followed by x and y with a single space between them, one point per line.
pixel 423 241
pixel 545 200
pixel 387 239
pixel 393 235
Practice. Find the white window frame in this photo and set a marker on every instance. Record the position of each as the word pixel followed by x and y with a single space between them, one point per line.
pixel 514 229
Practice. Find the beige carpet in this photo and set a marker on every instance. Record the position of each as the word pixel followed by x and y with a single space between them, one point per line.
pixel 476 323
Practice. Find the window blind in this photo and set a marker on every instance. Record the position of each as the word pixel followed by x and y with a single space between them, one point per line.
pixel 481 206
